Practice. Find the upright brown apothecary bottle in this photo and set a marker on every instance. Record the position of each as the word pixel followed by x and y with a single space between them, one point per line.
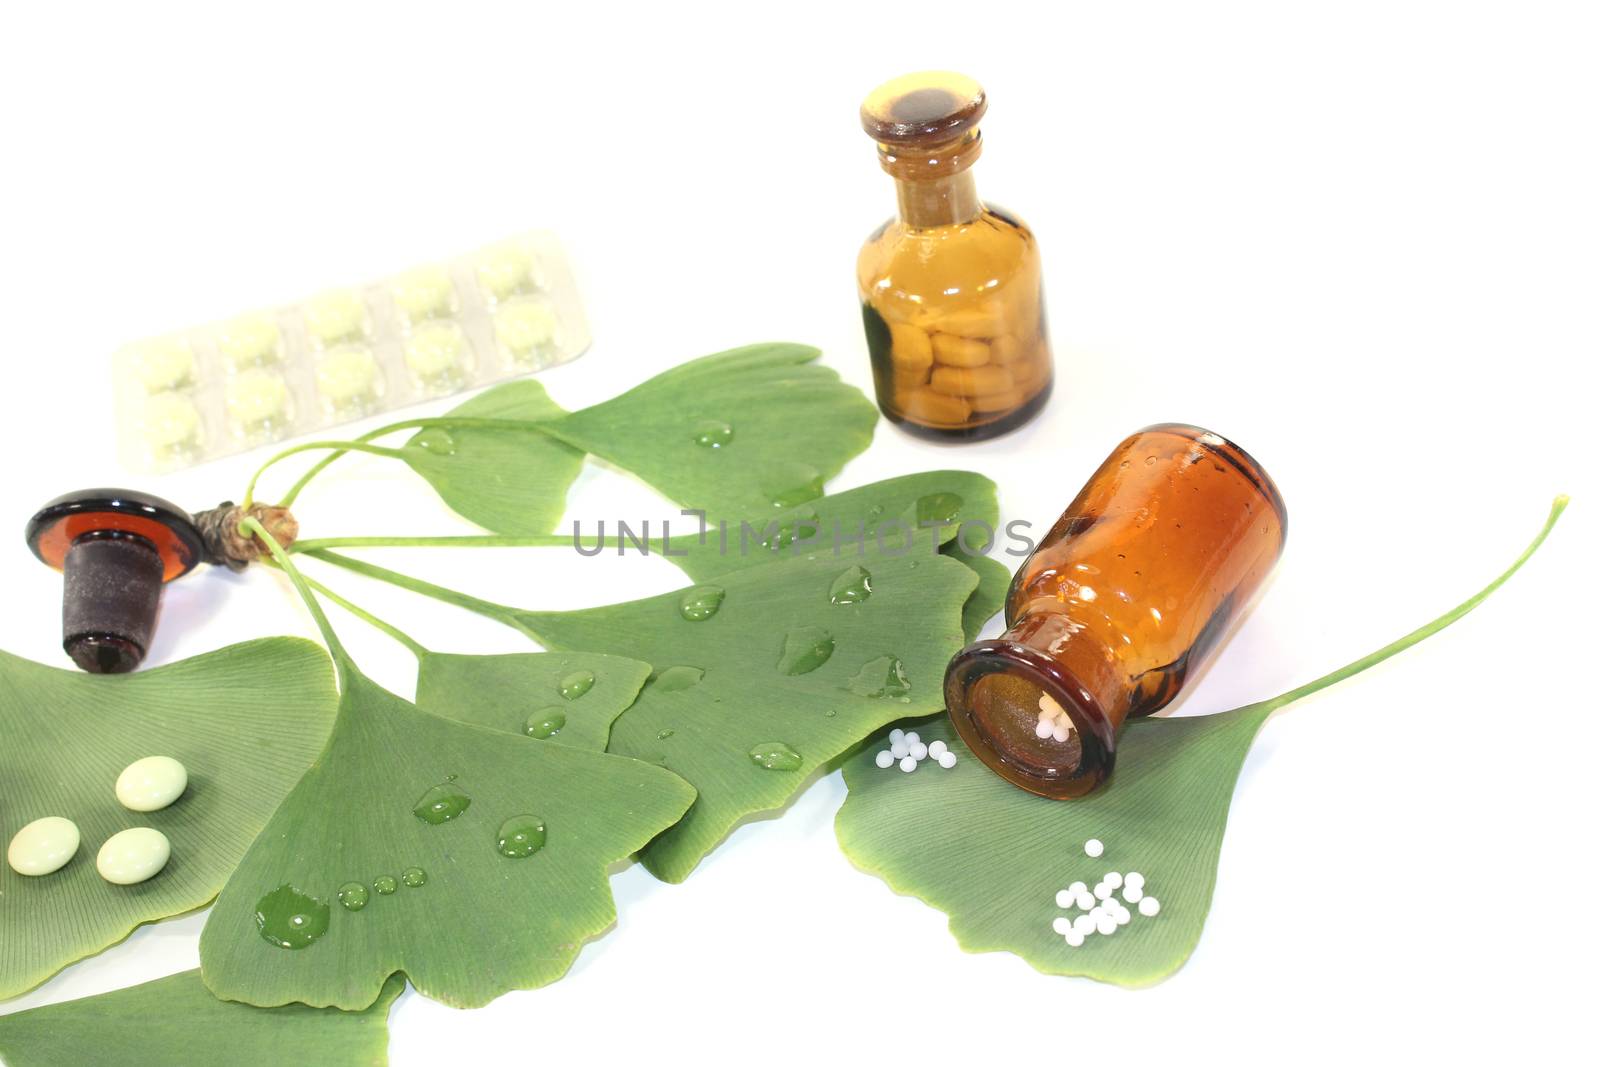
pixel 950 289
pixel 1124 599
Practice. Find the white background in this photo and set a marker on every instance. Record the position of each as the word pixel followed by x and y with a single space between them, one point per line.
pixel 1359 239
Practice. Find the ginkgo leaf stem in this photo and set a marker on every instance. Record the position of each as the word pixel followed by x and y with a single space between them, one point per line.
pixel 652 545
pixel 415 647
pixel 1422 632
pixel 341 658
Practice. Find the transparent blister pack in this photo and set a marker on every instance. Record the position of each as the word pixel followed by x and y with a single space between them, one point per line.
pixel 195 395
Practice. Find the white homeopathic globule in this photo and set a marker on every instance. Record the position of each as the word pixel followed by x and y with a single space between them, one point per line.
pixel 1100 912
pixel 908 750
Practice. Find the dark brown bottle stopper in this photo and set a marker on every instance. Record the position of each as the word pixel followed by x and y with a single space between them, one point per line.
pixel 116 549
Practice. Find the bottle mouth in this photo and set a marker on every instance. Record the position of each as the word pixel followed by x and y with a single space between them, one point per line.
pixel 995 692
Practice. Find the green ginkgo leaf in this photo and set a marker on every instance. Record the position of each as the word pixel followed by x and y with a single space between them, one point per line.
pixel 993 857
pixel 510 480
pixel 567 698
pixel 245 721
pixel 892 508
pixel 753 429
pixel 176 1020
pixel 778 667
pixel 994 579
pixel 475 861
pixel 399 789
pixel 790 656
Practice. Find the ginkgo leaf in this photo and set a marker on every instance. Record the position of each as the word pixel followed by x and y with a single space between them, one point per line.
pixel 568 698
pixel 754 429
pixel 400 790
pixel 993 856
pixel 245 722
pixel 509 480
pixel 176 1020
pixel 782 676
pixel 892 508
pixel 994 579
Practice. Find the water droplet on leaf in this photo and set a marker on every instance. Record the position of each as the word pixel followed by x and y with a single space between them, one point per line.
pixel 805 648
pixel 700 602
pixel 436 439
pixel 775 756
pixel 576 684
pixel 675 678
pixel 414 877
pixel 663 735
pixel 441 803
pixel 353 895
pixel 938 507
pixel 882 677
pixel 800 523
pixel 851 587
pixel 289 918
pixel 792 483
pixel 544 723
pixel 520 835
pixel 712 433
pixel 385 884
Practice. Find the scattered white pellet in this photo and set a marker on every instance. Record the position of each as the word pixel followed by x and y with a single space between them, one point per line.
pixel 1064 899
pixel 1149 906
pixel 1132 893
pixel 1112 879
pixel 1073 937
pixel 947 759
pixel 908 764
pixel 1043 731
pixel 1123 916
pixel 1086 900
pixel 937 749
pixel 912 738
pixel 1105 925
pixel 885 759
pixel 1133 879
pixel 896 735
pixel 1077 889
pixel 1102 891
pixel 1059 732
pixel 1093 848
pixel 899 749
pixel 1062 925
pixel 919 751
pixel 1084 923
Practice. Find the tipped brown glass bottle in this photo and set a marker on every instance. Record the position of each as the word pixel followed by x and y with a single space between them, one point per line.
pixel 950 289
pixel 1124 599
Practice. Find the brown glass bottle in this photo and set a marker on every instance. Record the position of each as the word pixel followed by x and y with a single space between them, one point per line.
pixel 950 288
pixel 1125 598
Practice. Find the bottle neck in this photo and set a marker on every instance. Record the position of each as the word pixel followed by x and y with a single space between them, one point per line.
pixel 945 201
pixel 934 182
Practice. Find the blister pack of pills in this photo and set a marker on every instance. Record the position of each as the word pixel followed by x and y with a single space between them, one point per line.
pixel 344 354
